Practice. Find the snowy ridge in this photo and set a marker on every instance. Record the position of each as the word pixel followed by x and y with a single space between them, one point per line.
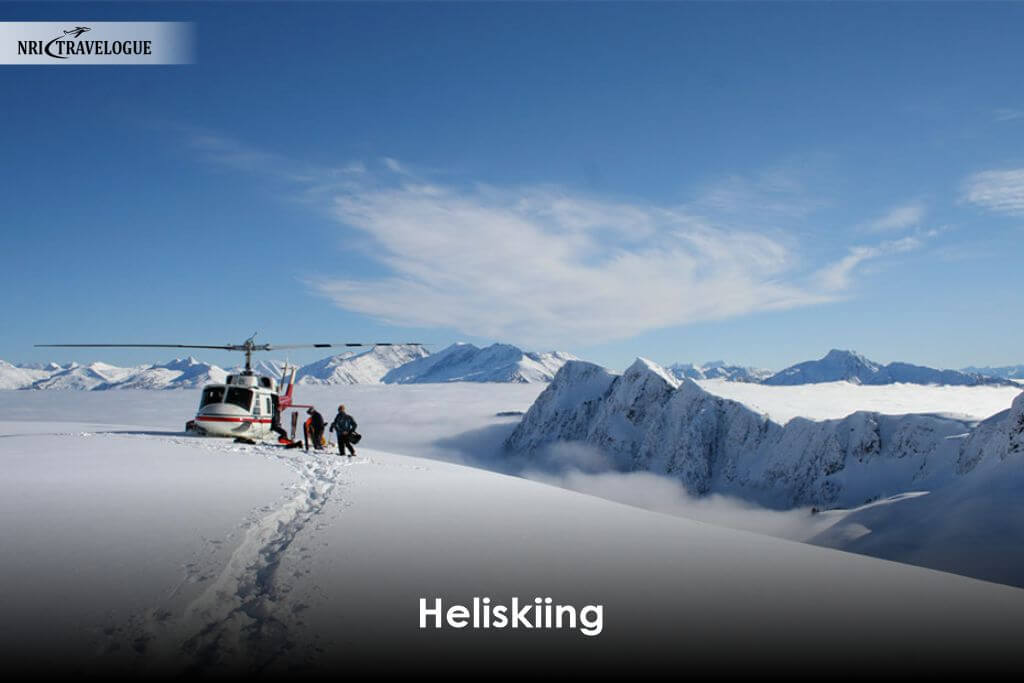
pixel 1005 371
pixel 368 367
pixel 972 527
pixel 995 439
pixel 85 377
pixel 405 364
pixel 850 366
pixel 180 373
pixel 14 377
pixel 645 420
pixel 469 363
pixel 262 366
pixel 389 364
pixel 718 370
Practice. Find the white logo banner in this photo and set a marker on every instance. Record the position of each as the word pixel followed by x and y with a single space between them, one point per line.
pixel 96 42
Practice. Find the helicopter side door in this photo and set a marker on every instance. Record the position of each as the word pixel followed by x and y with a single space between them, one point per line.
pixel 257 414
pixel 262 412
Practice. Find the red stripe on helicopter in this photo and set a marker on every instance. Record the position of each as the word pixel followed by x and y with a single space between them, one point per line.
pixel 203 418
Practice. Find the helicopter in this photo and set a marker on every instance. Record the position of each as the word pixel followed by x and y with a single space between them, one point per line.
pixel 246 406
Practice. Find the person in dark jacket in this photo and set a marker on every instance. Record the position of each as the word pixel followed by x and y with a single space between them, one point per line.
pixel 275 419
pixel 316 428
pixel 344 426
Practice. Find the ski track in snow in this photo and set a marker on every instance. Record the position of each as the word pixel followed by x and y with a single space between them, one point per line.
pixel 241 618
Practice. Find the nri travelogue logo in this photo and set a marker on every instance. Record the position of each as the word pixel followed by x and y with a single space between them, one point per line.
pixel 108 42
pixel 65 45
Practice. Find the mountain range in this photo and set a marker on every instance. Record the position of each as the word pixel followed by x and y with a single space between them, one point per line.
pixel 850 366
pixel 468 363
pixel 363 368
pixel 1005 371
pixel 400 364
pixel 922 489
pixel 647 420
pixel 717 369
pixel 410 364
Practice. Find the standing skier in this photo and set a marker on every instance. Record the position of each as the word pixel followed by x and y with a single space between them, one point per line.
pixel 344 427
pixel 316 428
pixel 275 420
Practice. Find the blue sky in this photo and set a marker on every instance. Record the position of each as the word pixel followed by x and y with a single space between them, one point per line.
pixel 683 181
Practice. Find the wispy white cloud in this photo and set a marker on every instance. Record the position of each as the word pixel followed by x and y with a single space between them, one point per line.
pixel 395 166
pixel 546 266
pixel 999 191
pixel 230 153
pixel 900 217
pixel 777 194
pixel 542 265
pixel 838 276
pixel 1007 114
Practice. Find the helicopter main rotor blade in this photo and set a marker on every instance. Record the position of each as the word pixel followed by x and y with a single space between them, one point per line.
pixel 274 347
pixel 228 347
pixel 143 346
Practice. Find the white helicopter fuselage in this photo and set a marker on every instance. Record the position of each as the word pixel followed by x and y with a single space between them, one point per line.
pixel 242 406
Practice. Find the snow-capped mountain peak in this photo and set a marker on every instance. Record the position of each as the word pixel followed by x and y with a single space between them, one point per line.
pixel 468 363
pixel 836 365
pixel 850 359
pixel 642 367
pixel 368 367
pixel 87 377
pixel 16 377
pixel 850 366
pixel 179 373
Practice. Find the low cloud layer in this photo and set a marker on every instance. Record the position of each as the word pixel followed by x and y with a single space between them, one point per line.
pixel 582 468
pixel 663 494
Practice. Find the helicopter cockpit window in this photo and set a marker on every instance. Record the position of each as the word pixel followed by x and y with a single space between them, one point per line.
pixel 265 382
pixel 240 397
pixel 212 395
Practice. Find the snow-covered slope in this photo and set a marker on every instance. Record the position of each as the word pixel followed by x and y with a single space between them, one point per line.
pixel 718 370
pixel 368 367
pixel 645 419
pixel 973 527
pixel 281 562
pixel 469 363
pixel 852 367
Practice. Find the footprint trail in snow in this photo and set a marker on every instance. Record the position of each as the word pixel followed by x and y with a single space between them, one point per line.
pixel 240 620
